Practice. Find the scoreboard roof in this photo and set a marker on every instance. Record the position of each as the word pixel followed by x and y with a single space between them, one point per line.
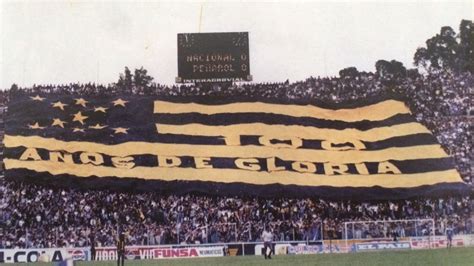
pixel 213 57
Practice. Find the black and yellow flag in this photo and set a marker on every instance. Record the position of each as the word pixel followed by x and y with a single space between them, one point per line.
pixel 366 150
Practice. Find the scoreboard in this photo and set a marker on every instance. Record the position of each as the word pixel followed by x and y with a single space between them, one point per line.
pixel 213 57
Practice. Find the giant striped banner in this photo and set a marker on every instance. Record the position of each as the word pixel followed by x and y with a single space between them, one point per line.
pixel 367 150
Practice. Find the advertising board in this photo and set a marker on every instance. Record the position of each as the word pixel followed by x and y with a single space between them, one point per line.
pixel 213 57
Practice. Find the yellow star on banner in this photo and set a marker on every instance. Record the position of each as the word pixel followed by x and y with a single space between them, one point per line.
pixel 79 117
pixel 119 102
pixel 59 105
pixel 100 109
pixel 122 130
pixel 35 126
pixel 98 126
pixel 58 122
pixel 81 101
pixel 76 129
pixel 37 98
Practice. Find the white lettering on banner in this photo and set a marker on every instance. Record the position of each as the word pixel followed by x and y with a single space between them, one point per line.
pixel 382 246
pixel 145 253
pixel 105 254
pixel 303 249
pixel 314 249
pixel 211 252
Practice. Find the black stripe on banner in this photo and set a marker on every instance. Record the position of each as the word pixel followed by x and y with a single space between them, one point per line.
pixel 148 160
pixel 238 189
pixel 225 119
pixel 140 134
pixel 402 141
pixel 225 99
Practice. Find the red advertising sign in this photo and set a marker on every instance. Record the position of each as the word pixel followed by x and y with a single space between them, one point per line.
pixel 155 252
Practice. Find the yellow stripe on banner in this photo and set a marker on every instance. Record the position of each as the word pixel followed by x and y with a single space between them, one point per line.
pixel 282 131
pixel 136 148
pixel 374 112
pixel 236 175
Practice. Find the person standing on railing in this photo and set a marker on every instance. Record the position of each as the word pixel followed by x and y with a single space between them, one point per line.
pixel 267 237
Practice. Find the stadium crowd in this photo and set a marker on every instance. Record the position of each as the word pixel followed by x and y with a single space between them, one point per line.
pixel 42 216
pixel 37 216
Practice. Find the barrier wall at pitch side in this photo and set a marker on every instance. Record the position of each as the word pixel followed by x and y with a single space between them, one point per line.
pixel 231 249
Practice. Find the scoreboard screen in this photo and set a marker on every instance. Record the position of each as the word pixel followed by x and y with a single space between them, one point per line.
pixel 213 57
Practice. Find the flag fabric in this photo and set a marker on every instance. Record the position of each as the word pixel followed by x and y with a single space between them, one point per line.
pixel 364 149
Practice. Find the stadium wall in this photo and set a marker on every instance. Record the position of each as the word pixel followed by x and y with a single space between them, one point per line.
pixel 231 249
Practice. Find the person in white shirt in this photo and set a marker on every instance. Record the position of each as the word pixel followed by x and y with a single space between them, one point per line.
pixel 267 237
